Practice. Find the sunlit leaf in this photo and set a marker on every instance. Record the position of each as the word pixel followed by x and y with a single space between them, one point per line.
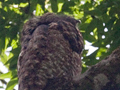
pixel 23 4
pixel 39 10
pixel 60 6
pixel 6 75
pixel 11 84
pixel 3 57
pixel 100 51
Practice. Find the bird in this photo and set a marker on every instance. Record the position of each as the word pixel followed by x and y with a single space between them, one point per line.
pixel 50 56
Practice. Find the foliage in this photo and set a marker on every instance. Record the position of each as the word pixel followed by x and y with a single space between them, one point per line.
pixel 100 26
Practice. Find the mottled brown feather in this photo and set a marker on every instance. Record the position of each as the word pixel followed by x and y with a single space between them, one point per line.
pixel 50 53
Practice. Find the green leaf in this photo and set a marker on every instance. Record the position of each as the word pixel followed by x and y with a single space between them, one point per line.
pixel 67 5
pixel 1 87
pixel 60 1
pixel 2 43
pixel 95 12
pixel 54 5
pixel 92 58
pixel 100 51
pixel 39 10
pixel 92 25
pixel 11 84
pixel 23 4
pixel 90 38
pixel 6 75
pixel 42 3
pixel 3 57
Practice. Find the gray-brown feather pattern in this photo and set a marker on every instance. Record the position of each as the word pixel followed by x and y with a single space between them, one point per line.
pixel 50 53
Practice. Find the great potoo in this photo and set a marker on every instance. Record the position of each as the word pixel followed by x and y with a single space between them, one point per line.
pixel 51 47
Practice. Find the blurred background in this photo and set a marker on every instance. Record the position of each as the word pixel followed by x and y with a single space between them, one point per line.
pixel 100 27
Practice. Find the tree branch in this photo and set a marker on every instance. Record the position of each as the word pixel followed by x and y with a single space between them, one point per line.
pixel 105 75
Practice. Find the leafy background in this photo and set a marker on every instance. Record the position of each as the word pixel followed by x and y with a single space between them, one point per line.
pixel 100 26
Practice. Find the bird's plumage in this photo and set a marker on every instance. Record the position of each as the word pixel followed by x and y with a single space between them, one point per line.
pixel 50 53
